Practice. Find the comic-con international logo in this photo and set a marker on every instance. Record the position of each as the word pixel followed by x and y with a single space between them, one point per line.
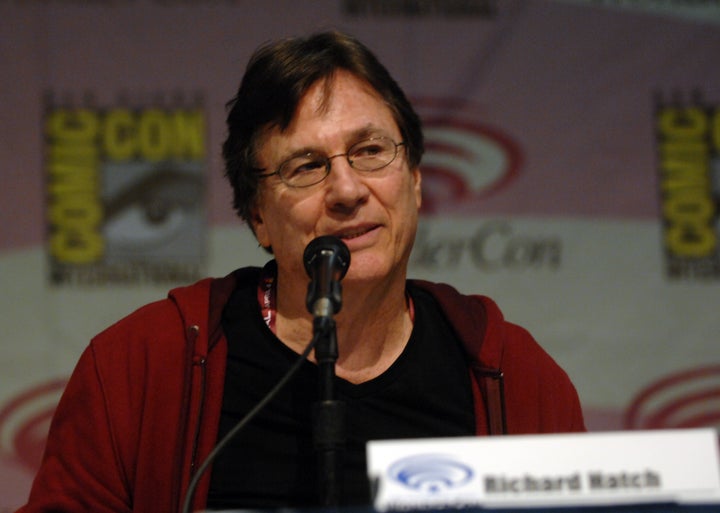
pixel 688 143
pixel 465 160
pixel 124 191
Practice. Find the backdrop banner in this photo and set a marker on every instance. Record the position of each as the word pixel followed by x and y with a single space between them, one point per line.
pixel 572 174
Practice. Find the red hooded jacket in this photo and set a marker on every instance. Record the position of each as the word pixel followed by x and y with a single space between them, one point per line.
pixel 141 409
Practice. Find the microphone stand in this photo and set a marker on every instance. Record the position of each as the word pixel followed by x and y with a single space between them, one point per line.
pixel 328 415
pixel 326 261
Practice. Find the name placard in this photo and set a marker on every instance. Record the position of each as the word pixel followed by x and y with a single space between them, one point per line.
pixel 546 470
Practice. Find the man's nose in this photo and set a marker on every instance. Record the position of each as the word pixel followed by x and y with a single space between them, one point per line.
pixel 345 185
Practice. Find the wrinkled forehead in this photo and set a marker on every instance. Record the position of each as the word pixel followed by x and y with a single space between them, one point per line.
pixel 360 110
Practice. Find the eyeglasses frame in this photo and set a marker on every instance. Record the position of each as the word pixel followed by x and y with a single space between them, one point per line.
pixel 328 163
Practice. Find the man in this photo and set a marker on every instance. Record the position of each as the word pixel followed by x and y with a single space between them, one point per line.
pixel 321 141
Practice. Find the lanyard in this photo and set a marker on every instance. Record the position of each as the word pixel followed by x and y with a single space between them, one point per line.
pixel 267 292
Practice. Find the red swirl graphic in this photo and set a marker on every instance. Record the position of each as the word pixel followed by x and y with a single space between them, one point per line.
pixel 465 160
pixel 25 420
pixel 687 399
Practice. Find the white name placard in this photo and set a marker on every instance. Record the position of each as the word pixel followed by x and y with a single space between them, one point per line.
pixel 546 470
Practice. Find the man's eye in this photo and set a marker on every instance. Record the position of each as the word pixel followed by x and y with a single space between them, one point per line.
pixel 305 167
pixel 368 150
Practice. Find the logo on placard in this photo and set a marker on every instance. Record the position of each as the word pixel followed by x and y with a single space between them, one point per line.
pixel 687 399
pixel 430 473
pixel 464 159
pixel 25 420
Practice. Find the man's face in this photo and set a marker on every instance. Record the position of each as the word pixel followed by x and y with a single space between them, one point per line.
pixel 375 214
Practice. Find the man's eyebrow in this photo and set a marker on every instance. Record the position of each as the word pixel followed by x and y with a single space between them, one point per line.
pixel 299 153
pixel 351 138
pixel 366 132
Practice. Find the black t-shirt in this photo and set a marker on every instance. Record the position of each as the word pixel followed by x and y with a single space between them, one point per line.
pixel 271 464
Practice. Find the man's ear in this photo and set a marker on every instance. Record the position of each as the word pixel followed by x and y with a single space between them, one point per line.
pixel 259 228
pixel 417 177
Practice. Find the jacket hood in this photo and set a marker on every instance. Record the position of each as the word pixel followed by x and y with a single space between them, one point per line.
pixel 480 332
pixel 477 321
pixel 201 304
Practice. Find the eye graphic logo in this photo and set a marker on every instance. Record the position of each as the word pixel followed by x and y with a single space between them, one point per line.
pixel 687 399
pixel 465 160
pixel 430 473
pixel 149 215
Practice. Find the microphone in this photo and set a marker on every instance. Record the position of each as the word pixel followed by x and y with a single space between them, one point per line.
pixel 326 260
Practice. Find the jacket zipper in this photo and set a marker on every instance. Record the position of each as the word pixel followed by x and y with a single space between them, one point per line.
pixel 196 438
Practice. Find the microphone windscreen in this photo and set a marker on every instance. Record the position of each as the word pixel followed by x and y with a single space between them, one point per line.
pixel 327 243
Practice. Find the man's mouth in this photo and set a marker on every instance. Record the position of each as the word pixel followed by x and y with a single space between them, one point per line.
pixel 351 234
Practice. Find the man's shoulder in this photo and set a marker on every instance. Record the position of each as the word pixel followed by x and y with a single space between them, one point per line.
pixel 188 307
pixel 449 297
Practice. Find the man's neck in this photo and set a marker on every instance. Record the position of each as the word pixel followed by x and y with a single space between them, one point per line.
pixel 373 326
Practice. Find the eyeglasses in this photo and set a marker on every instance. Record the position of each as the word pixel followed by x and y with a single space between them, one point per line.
pixel 312 168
